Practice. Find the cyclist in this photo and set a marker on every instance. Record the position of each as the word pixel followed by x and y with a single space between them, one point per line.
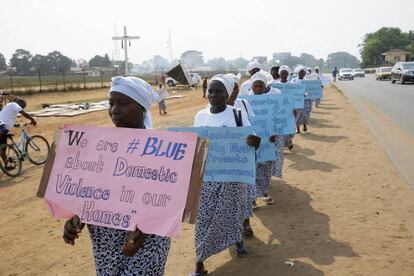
pixel 8 117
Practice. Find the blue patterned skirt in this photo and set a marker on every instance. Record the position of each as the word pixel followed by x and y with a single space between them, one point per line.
pixel 220 217
pixel 107 245
pixel 277 167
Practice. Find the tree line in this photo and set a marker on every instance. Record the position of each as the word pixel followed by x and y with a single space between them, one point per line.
pixel 376 43
pixel 23 63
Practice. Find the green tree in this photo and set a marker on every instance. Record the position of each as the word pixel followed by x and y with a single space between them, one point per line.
pixel 374 44
pixel 3 65
pixel 100 61
pixel 39 62
pixel 56 63
pixel 22 62
pixel 342 60
pixel 411 36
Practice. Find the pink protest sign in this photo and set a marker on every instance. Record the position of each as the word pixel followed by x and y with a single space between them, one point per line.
pixel 122 178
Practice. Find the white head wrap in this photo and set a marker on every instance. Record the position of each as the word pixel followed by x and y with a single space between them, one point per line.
pixel 252 65
pixel 138 90
pixel 284 68
pixel 234 77
pixel 227 81
pixel 300 68
pixel 260 76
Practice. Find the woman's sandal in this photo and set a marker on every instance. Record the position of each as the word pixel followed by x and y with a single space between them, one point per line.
pixel 268 200
pixel 254 204
pixel 240 250
pixel 248 231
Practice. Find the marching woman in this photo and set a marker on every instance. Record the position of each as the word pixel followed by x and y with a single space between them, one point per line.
pixel 238 103
pixel 252 67
pixel 251 189
pixel 119 252
pixel 317 76
pixel 264 170
pixel 304 114
pixel 284 73
pixel 222 204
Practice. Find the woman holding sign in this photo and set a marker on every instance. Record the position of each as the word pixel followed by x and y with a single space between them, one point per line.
pixel 251 189
pixel 221 212
pixel 304 114
pixel 264 169
pixel 284 72
pixel 119 252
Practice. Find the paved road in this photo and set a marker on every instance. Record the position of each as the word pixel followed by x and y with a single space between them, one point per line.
pixel 389 111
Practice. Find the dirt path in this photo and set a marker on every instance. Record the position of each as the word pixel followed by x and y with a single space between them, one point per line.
pixel 341 209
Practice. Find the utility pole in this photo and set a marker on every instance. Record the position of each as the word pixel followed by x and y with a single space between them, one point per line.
pixel 124 40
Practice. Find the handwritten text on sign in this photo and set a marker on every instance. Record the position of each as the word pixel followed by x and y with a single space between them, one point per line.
pixel 279 108
pixel 229 159
pixel 262 126
pixel 297 90
pixel 313 88
pixel 122 178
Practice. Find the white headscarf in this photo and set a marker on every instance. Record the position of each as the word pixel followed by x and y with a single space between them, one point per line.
pixel 233 77
pixel 260 76
pixel 252 65
pixel 138 90
pixel 226 81
pixel 284 68
pixel 300 68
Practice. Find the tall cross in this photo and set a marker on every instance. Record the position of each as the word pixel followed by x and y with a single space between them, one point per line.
pixel 124 39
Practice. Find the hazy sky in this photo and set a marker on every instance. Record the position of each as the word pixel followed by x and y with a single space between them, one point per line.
pixel 218 28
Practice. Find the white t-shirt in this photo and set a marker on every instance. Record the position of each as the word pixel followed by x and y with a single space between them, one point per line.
pixel 8 114
pixel 205 118
pixel 238 103
pixel 245 88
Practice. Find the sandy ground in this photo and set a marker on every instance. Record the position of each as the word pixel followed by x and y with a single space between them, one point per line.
pixel 341 208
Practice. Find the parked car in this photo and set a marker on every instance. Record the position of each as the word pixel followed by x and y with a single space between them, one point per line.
pixel 345 73
pixel 358 73
pixel 383 73
pixel 194 76
pixel 402 72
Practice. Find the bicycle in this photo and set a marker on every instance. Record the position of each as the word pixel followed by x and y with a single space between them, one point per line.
pixel 34 148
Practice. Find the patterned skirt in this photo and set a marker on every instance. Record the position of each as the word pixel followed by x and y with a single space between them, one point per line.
pixel 251 196
pixel 220 217
pixel 109 260
pixel 263 176
pixel 305 114
pixel 277 167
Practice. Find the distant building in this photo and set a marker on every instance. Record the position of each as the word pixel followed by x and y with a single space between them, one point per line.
pixel 281 56
pixel 396 55
pixel 260 59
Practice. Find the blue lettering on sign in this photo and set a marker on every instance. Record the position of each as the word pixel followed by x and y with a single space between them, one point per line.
pixel 294 90
pixel 278 108
pixel 229 158
pixel 313 88
pixel 158 148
